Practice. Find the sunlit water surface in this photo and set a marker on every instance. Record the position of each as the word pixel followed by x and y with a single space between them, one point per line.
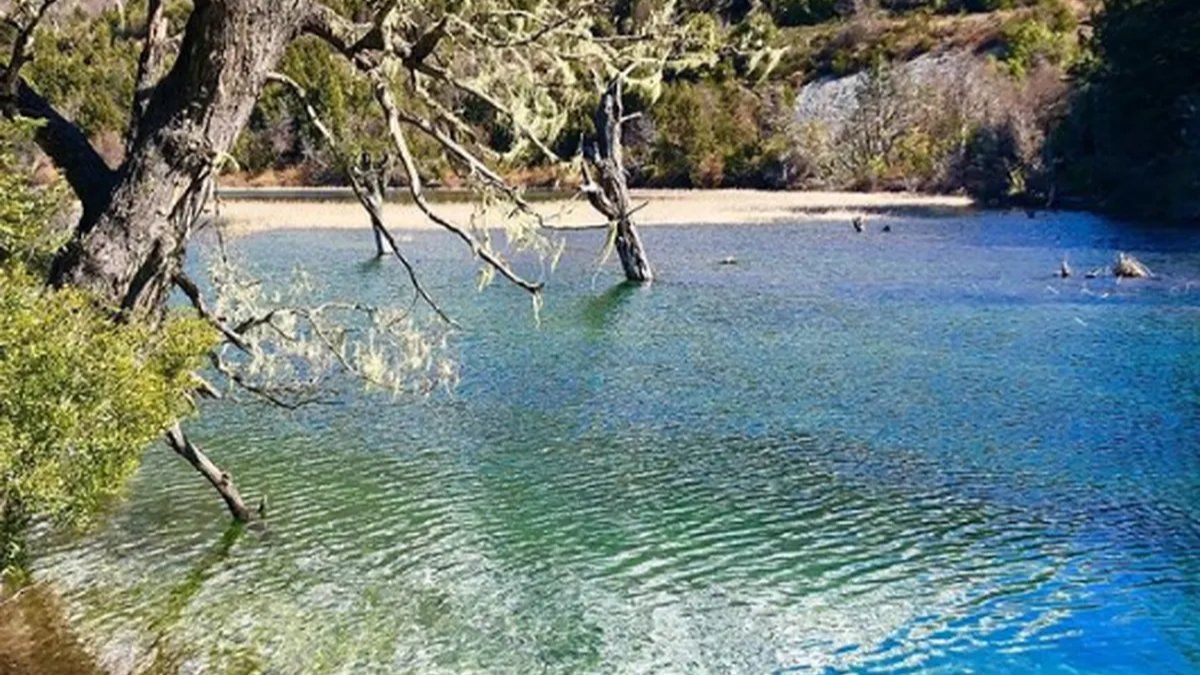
pixel 915 450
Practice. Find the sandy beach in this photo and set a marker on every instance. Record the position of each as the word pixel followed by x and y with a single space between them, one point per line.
pixel 246 211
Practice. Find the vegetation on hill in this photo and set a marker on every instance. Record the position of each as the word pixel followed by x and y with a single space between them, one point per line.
pixel 1079 72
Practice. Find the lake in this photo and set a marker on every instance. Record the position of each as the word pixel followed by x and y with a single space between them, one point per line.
pixel 915 450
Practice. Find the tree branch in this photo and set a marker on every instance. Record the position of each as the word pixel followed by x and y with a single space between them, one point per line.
pixel 20 49
pixel 149 66
pixel 351 38
pixel 192 291
pixel 220 480
pixel 360 191
pixel 85 171
pixel 384 96
pixel 443 76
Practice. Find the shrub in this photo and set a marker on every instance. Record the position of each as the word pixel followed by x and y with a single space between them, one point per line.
pixel 802 12
pixel 948 125
pixel 80 394
pixel 1132 139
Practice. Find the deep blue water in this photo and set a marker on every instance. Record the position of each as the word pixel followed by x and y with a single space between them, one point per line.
pixel 917 450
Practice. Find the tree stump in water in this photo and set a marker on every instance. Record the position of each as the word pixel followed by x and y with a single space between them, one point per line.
pixel 371 178
pixel 608 191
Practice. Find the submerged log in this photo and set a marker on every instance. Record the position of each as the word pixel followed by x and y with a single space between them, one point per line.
pixel 608 191
pixel 219 479
pixel 1129 267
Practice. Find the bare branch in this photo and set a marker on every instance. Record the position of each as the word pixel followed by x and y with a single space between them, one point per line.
pixel 384 96
pixel 354 40
pixel 360 191
pixel 220 480
pixel 475 165
pixel 192 291
pixel 89 176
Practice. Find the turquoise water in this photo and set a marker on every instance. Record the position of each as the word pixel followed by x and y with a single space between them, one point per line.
pixel 905 451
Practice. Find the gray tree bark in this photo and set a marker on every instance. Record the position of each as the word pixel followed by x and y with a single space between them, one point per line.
pixel 128 251
pixel 608 190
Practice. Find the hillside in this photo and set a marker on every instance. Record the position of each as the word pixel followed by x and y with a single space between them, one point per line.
pixel 982 97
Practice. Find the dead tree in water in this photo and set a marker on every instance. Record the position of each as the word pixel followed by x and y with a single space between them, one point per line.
pixel 608 191
pixel 369 180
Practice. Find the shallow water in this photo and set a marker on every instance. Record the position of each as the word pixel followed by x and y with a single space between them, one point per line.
pixel 915 450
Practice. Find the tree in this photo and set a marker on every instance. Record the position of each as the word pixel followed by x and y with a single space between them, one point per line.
pixel 1132 139
pixel 608 192
pixel 523 64
pixel 80 394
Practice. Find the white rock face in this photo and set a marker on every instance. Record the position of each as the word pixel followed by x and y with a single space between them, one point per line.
pixel 831 100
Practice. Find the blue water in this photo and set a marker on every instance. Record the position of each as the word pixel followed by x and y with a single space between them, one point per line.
pixel 917 450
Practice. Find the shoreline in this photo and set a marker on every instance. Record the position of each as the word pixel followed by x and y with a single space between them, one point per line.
pixel 247 211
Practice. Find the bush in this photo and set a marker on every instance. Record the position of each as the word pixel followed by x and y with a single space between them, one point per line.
pixel 943 125
pixel 802 12
pixel 1043 34
pixel 1132 139
pixel 80 394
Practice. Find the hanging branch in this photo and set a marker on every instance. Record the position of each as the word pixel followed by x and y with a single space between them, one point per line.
pixel 384 96
pixel 367 188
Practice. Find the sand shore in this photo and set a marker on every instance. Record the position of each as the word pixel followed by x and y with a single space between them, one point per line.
pixel 255 211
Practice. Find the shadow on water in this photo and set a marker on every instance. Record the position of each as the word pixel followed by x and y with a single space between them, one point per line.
pixel 601 311
pixel 371 264
pixel 36 638
pixel 180 597
pixel 895 210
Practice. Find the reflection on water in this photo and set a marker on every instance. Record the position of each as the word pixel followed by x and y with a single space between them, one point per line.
pixel 848 452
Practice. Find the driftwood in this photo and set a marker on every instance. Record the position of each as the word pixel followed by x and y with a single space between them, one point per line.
pixel 608 191
pixel 1130 267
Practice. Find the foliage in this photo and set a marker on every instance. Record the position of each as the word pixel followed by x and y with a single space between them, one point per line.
pixel 738 141
pixel 1046 35
pixel 947 127
pixel 295 349
pixel 27 215
pixel 1132 139
pixel 80 394
pixel 802 12
pixel 86 68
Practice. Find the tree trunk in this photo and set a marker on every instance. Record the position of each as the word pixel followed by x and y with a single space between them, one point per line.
pixel 630 251
pixel 128 252
pixel 609 191
pixel 130 241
